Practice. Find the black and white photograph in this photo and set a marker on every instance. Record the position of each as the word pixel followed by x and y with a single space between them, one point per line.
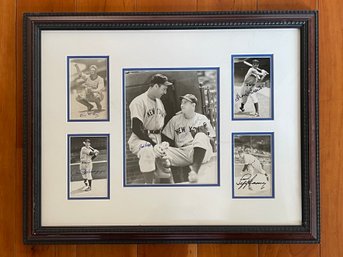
pixel 253 165
pixel 88 88
pixel 171 127
pixel 88 166
pixel 252 87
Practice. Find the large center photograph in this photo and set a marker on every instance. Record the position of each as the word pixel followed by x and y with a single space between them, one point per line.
pixel 171 127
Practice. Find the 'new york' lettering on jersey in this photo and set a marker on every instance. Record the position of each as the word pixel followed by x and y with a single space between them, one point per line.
pixel 150 112
pixel 179 128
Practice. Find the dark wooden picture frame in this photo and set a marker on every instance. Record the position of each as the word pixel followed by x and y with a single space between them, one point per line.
pixel 305 21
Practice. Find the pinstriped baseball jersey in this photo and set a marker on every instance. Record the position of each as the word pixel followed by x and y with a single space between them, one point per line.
pixel 150 112
pixel 179 128
pixel 252 76
pixel 85 154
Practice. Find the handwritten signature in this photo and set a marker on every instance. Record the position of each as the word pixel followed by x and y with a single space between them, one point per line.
pixel 247 180
pixel 248 93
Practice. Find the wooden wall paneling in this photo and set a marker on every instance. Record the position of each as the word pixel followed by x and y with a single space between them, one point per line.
pixel 65 251
pixel 105 6
pixel 331 113
pixel 22 7
pixel 226 5
pixel 120 250
pixel 7 125
pixel 293 250
pixel 330 100
pixel 287 5
pixel 167 250
pixel 224 250
pixel 166 5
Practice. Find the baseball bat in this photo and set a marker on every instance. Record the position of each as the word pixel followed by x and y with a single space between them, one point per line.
pixel 250 65
pixel 89 146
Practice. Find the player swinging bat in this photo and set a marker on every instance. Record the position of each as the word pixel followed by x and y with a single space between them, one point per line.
pixel 87 154
pixel 250 65
pixel 251 78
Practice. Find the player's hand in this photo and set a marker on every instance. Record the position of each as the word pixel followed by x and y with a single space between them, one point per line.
pixel 159 150
pixel 203 129
pixel 264 72
pixel 192 176
pixel 96 152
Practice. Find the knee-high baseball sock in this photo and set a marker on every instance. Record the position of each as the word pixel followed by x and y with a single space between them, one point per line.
pixel 85 181
pixel 242 105
pixel 89 182
pixel 198 157
pixel 256 107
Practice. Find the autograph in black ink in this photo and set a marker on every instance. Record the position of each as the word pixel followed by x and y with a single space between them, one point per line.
pixel 258 88
pixel 247 180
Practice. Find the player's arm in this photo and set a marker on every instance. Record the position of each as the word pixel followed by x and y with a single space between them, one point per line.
pixel 79 72
pixel 258 73
pixel 100 86
pixel 137 128
pixel 167 139
pixel 168 133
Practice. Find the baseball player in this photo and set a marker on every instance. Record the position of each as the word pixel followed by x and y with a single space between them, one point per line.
pixel 147 120
pixel 93 87
pixel 87 154
pixel 248 88
pixel 251 163
pixel 189 135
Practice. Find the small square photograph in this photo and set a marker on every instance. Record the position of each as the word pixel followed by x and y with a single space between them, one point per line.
pixel 253 165
pixel 171 119
pixel 88 90
pixel 252 87
pixel 88 166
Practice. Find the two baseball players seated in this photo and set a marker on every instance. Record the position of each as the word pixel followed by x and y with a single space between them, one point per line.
pixel 184 141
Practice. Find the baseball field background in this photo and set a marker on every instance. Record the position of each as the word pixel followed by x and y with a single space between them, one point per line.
pixel 331 111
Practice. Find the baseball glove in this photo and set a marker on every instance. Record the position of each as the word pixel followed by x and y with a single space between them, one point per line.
pixel 203 129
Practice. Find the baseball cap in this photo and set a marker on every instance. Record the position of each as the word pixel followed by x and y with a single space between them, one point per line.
pixel 87 140
pixel 189 97
pixel 160 80
pixel 255 61
pixel 94 67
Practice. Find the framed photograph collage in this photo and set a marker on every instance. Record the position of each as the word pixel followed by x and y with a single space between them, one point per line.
pixel 179 127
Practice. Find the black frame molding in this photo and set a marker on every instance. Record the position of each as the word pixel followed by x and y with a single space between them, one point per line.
pixel 305 21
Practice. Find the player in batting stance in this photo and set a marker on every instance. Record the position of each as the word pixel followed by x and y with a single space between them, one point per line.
pixel 251 163
pixel 147 120
pixel 87 154
pixel 93 86
pixel 253 75
pixel 189 135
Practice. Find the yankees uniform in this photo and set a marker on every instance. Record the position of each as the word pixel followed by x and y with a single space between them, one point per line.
pixel 93 90
pixel 249 84
pixel 253 164
pixel 179 129
pixel 151 113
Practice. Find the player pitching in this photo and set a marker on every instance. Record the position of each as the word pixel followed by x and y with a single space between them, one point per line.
pixel 87 154
pixel 93 88
pixel 249 84
pixel 251 164
pixel 188 134
pixel 147 120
